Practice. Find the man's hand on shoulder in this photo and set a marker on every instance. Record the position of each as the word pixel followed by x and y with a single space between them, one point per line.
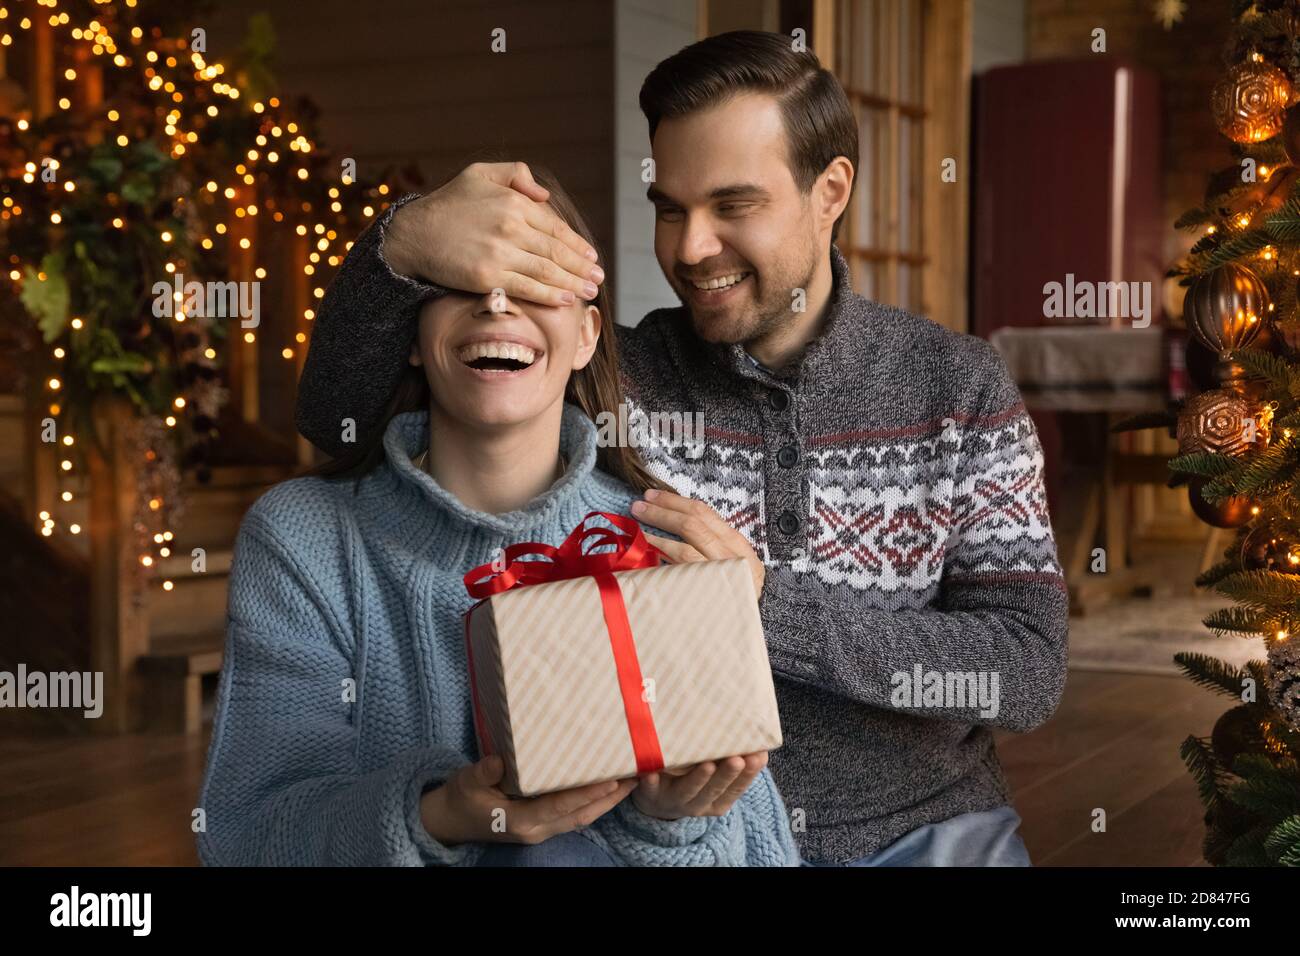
pixel 491 228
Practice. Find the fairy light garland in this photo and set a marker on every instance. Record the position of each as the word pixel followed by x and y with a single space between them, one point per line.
pixel 184 80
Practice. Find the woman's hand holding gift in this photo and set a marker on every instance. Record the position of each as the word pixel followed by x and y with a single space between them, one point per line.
pixel 710 788
pixel 706 790
pixel 705 536
pixel 471 807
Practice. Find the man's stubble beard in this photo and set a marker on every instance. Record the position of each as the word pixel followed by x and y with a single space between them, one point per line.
pixel 768 314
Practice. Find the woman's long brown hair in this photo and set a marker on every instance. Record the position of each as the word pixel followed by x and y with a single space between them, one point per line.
pixel 595 388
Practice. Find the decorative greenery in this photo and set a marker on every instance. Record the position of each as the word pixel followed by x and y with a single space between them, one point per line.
pixel 1246 771
pixel 110 195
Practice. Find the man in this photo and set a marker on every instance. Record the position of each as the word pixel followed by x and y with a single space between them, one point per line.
pixel 883 467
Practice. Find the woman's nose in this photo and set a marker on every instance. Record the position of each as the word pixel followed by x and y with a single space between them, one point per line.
pixel 496 302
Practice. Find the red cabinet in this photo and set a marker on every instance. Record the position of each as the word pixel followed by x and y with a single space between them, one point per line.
pixel 1067 184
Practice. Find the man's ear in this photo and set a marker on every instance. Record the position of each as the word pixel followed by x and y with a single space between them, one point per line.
pixel 833 188
pixel 588 336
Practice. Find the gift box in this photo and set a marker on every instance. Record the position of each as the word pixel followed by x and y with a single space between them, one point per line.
pixel 591 666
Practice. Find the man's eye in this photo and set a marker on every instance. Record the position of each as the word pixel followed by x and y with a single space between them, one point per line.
pixel 668 214
pixel 731 208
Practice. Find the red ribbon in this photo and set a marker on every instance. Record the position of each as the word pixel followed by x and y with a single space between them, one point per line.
pixel 571 560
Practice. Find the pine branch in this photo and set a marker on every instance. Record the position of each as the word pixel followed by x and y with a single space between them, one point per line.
pixel 1258 669
pixel 1216 573
pixel 1239 620
pixel 1284 298
pixel 1204 767
pixel 1237 247
pixel 1204 463
pixel 1264 788
pixel 1279 737
pixel 1200 249
pixel 1221 204
pixel 1285 222
pixel 1248 849
pixel 1255 472
pixel 1198 216
pixel 1267 366
pixel 1283 843
pixel 1268 590
pixel 1210 672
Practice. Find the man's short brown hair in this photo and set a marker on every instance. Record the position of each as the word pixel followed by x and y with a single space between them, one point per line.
pixel 819 123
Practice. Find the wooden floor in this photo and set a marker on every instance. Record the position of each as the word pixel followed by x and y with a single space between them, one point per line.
pixel 1113 745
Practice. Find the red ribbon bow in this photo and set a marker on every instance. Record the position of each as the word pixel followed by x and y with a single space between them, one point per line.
pixel 571 560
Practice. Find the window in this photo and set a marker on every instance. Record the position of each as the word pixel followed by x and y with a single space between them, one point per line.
pixel 879 46
pixel 905 65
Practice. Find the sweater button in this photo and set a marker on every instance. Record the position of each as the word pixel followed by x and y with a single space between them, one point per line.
pixel 787 456
pixel 778 399
pixel 788 522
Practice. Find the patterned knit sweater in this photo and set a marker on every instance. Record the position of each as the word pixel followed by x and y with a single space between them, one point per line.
pixel 344 693
pixel 892 482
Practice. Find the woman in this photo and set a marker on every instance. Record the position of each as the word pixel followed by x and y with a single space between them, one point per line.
pixel 343 731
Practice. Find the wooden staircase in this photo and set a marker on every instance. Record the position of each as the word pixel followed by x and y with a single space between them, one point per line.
pixel 46 589
pixel 187 623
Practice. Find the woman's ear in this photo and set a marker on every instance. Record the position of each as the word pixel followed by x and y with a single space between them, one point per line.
pixel 414 357
pixel 588 336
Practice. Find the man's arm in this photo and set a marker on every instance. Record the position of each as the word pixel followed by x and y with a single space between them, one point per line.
pixel 488 228
pixel 1002 609
pixel 359 342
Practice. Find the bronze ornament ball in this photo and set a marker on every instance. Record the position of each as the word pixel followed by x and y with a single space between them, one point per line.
pixel 1222 422
pixel 1250 101
pixel 1226 308
pixel 1229 513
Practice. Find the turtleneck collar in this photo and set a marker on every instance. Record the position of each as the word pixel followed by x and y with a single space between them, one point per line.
pixel 580 490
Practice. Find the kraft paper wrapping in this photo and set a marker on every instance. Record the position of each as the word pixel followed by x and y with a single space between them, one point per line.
pixel 548 687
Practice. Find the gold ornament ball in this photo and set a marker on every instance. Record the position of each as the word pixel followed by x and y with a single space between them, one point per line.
pixel 1249 103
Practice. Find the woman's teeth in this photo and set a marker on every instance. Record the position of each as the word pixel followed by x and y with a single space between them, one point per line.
pixel 507 356
pixel 721 282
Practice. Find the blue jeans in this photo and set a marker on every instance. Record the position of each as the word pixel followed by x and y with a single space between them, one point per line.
pixel 987 838
pixel 566 849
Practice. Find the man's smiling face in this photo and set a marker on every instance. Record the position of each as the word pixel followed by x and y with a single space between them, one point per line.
pixel 734 234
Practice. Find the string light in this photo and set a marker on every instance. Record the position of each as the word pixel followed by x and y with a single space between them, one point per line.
pixel 176 87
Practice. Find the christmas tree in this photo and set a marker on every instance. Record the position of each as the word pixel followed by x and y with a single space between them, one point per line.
pixel 1239 439
pixel 138 176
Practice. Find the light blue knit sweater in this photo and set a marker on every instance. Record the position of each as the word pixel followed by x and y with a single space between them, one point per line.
pixel 344 693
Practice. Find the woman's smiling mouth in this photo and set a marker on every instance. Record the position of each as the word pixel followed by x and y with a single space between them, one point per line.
pixel 497 357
